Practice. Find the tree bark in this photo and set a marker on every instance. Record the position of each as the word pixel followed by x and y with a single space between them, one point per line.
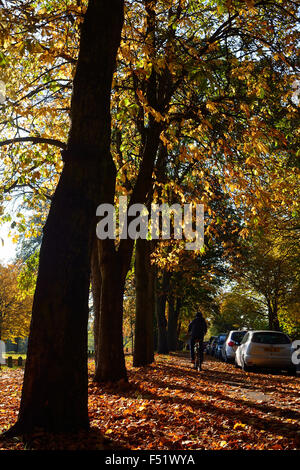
pixel 110 355
pixel 158 91
pixel 273 316
pixel 144 340
pixel 54 395
pixel 114 265
pixel 174 310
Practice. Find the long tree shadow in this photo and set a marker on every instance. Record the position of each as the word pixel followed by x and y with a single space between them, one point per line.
pixel 254 381
pixel 221 377
pixel 238 378
pixel 262 407
pixel 91 440
pixel 265 423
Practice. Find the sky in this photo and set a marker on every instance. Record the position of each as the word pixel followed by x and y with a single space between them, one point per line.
pixel 7 247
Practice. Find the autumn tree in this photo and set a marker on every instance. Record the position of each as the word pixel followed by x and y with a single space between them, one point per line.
pixel 115 260
pixel 288 316
pixel 39 43
pixel 15 307
pixel 221 73
pixel 224 104
pixel 54 395
pixel 212 82
pixel 188 280
pixel 238 309
pixel 270 269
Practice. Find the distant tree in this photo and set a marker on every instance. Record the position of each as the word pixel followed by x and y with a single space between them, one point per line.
pixel 238 310
pixel 289 316
pixel 15 306
pixel 289 319
pixel 271 268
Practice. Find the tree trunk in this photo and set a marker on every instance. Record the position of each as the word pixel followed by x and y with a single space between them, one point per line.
pixel 96 293
pixel 178 308
pixel 172 324
pixel 114 265
pixel 110 358
pixel 158 91
pixel 161 299
pixel 273 316
pixel 174 310
pixel 54 395
pixel 144 341
pixel 155 328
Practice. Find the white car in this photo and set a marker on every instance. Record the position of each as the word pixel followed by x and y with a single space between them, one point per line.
pixel 232 341
pixel 264 348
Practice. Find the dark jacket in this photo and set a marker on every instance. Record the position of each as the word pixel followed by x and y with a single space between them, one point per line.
pixel 198 327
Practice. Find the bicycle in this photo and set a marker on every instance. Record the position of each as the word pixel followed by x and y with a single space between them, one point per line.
pixel 198 349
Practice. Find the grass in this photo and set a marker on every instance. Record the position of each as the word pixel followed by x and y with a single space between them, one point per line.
pixel 14 355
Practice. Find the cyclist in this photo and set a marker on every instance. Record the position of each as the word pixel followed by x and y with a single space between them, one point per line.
pixel 197 330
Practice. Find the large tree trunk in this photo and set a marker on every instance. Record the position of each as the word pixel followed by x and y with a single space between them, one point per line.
pixel 144 341
pixel 158 91
pixel 114 265
pixel 110 354
pixel 54 395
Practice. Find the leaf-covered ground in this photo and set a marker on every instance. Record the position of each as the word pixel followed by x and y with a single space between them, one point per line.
pixel 169 406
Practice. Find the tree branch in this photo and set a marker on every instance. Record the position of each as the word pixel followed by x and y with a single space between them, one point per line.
pixel 34 140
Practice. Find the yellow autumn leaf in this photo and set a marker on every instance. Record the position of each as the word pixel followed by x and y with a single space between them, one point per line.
pixel 211 106
pixel 109 431
pixel 262 147
pixel 245 109
pixel 239 425
pixel 142 408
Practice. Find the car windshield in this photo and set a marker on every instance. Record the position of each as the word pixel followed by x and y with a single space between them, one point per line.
pixel 270 338
pixel 238 336
pixel 221 339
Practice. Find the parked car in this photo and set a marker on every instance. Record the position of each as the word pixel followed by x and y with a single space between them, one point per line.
pixel 213 346
pixel 232 341
pixel 263 348
pixel 218 345
pixel 209 345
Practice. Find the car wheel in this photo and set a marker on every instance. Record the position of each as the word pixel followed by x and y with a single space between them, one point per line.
pixel 245 367
pixel 292 371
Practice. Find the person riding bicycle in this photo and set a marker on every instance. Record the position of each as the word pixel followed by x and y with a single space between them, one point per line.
pixel 197 330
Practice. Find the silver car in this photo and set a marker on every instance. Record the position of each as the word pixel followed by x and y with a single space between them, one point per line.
pixel 263 348
pixel 232 341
